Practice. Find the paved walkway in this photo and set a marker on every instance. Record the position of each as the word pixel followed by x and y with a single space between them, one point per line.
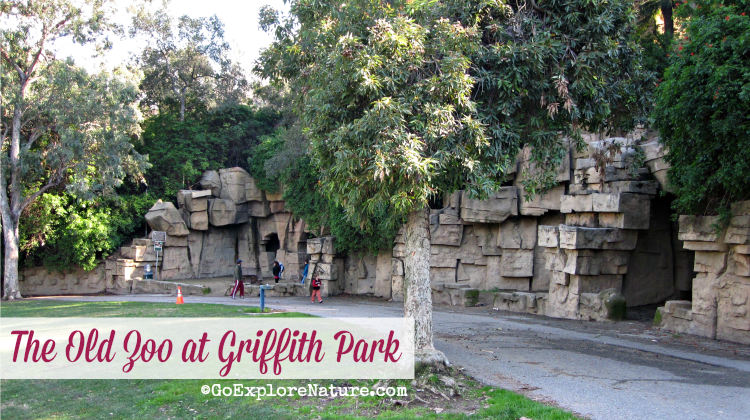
pixel 620 371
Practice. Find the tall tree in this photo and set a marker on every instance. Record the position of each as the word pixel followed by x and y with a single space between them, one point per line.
pixel 404 100
pixel 190 66
pixel 61 126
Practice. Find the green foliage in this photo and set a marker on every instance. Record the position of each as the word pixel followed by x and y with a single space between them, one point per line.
pixel 60 231
pixel 181 151
pixel 265 150
pixel 703 107
pixel 656 43
pixel 402 101
pixel 304 198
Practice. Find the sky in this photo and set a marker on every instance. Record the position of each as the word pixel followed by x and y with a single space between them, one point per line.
pixel 241 30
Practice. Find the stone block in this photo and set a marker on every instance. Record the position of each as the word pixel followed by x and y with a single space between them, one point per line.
pixel 498 207
pixel 211 181
pixel 624 220
pixel 521 284
pixel 554 259
pixel 176 264
pixel 548 236
pixel 638 187
pixel 710 262
pixel 383 276
pixel 671 305
pixel 327 271
pixel 174 240
pixel 397 288
pixel 218 256
pixel 539 204
pixel 193 200
pixel 738 232
pixel 589 220
pixel 597 284
pixel 198 220
pixel 233 184
pixel 143 253
pixel 329 246
pixel 517 263
pixel 576 203
pixel 561 278
pixel 698 228
pixel 517 233
pixel 258 208
pixel 126 252
pixel 636 206
pixel 445 234
pixel 572 237
pixel 705 246
pixel 223 212
pixel 277 206
pixel 448 219
pixel 443 274
pixel 195 248
pixel 397 267
pixel 252 192
pixel 741 264
pixel 165 217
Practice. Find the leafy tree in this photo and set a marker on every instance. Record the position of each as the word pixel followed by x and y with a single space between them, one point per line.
pixel 189 68
pixel 656 42
pixel 703 107
pixel 181 151
pixel 404 100
pixel 61 126
pixel 60 231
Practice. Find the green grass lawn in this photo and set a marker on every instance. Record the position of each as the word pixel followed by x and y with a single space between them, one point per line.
pixel 60 308
pixel 183 399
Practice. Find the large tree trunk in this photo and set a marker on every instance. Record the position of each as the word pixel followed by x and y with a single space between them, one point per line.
pixel 11 289
pixel 666 13
pixel 417 291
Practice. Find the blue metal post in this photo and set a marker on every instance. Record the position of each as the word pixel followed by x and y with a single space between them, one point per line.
pixel 263 288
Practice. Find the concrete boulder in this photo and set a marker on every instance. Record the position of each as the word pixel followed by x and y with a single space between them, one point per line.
pixel 234 184
pixel 165 217
pixel 211 181
pixel 498 207
pixel 226 212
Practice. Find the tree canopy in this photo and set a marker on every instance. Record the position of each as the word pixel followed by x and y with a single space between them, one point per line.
pixel 186 64
pixel 409 99
pixel 61 126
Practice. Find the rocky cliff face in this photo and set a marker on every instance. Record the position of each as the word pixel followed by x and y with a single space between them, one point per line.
pixel 600 239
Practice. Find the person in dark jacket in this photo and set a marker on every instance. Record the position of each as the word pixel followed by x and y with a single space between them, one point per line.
pixel 276 271
pixel 238 285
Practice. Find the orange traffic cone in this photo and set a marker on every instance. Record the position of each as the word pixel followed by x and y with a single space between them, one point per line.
pixel 179 296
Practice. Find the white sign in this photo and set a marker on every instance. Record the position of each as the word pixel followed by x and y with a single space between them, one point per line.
pixel 207 348
pixel 159 236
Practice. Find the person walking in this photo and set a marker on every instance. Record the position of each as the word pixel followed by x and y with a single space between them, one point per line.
pixel 315 289
pixel 238 285
pixel 304 273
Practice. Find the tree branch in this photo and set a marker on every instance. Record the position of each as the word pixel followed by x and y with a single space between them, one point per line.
pixel 55 181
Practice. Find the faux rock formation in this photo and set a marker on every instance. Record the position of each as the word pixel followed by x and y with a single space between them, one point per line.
pixel 498 207
pixel 211 181
pixel 226 212
pixel 165 217
pixel 233 184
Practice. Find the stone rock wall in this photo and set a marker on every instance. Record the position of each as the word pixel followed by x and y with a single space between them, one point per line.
pixel 720 305
pixel 566 253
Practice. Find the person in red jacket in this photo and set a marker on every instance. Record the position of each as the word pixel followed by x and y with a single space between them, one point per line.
pixel 316 289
